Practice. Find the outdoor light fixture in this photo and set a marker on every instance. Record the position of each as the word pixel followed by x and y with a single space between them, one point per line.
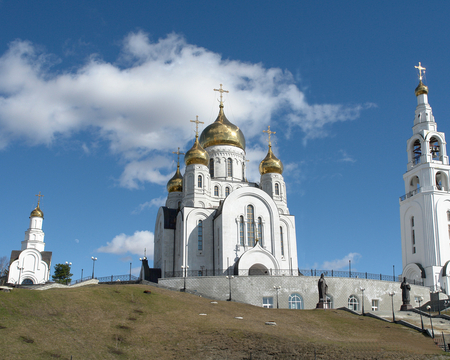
pixel 94 259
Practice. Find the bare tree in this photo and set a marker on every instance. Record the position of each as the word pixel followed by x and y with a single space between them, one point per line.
pixel 4 266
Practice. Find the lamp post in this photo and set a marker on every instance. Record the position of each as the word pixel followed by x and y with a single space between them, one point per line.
pixel 229 282
pixel 142 274
pixel 130 271
pixel 184 268
pixel 431 321
pixel 68 272
pixel 362 290
pixel 420 299
pixel 391 294
pixel 277 288
pixel 94 259
pixel 81 274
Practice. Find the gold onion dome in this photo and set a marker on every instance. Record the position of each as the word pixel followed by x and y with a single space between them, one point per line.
pixel 270 164
pixel 222 132
pixel 176 183
pixel 37 212
pixel 421 89
pixel 196 155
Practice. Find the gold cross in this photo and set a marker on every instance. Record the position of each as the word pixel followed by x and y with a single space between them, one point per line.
pixel 196 124
pixel 178 153
pixel 221 92
pixel 270 133
pixel 420 68
pixel 39 198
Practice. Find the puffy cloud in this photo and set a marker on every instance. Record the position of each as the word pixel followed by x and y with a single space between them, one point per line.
pixel 141 104
pixel 134 244
pixel 339 264
pixel 157 202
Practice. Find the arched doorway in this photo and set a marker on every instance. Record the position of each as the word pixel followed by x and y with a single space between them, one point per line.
pixel 258 269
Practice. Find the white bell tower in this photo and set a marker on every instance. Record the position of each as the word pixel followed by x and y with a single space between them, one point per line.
pixel 425 207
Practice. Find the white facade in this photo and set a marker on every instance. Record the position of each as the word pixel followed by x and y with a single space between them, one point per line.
pixel 221 224
pixel 425 209
pixel 31 264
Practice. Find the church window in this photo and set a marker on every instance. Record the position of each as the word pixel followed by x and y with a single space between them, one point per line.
pixel 229 167
pixel 243 177
pixel 281 241
pixel 448 215
pixel 27 282
pixel 227 191
pixel 241 231
pixel 211 167
pixel 216 191
pixel 374 305
pixel 277 189
pixel 250 226
pixel 260 231
pixel 200 235
pixel 200 182
pixel 295 301
pixel 434 148
pixel 417 152
pixel 353 303
pixel 413 236
pixel 268 302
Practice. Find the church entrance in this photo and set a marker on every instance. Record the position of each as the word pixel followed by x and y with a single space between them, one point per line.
pixel 27 282
pixel 258 269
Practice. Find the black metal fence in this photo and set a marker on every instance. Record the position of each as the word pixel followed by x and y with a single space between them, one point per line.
pixel 112 278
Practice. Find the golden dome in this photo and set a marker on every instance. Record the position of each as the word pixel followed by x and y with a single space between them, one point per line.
pixel 222 132
pixel 196 155
pixel 176 183
pixel 421 89
pixel 270 164
pixel 37 212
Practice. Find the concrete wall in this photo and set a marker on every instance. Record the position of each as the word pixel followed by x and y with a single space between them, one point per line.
pixel 252 289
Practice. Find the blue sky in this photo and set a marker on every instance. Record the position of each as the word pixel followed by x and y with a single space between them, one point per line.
pixel 95 96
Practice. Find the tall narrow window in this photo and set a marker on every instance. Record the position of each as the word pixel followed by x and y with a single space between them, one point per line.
pixel 216 191
pixel 277 189
pixel 250 226
pixel 241 231
pixel 448 220
pixel 229 167
pixel 243 171
pixel 200 182
pixel 200 235
pixel 417 152
pixel 260 231
pixel 413 236
pixel 227 191
pixel 281 241
pixel 211 167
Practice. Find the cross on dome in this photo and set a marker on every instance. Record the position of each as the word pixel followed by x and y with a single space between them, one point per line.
pixel 196 121
pixel 270 133
pixel 178 153
pixel 39 198
pixel 420 68
pixel 221 92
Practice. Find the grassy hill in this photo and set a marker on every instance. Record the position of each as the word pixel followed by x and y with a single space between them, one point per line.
pixel 123 322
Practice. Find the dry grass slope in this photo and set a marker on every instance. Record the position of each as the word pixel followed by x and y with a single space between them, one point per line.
pixel 122 322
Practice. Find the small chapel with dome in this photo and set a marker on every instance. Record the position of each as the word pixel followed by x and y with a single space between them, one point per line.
pixel 215 222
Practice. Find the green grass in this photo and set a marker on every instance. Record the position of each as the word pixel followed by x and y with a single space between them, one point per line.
pixel 122 322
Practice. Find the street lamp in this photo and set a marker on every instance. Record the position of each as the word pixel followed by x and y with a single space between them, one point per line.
pixel 277 288
pixel 431 321
pixel 94 259
pixel 362 290
pixel 391 294
pixel 184 268
pixel 420 299
pixel 229 281
pixel 68 272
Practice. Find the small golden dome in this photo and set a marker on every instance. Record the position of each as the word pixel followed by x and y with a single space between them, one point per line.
pixel 37 212
pixel 176 183
pixel 196 155
pixel 270 164
pixel 421 89
pixel 222 132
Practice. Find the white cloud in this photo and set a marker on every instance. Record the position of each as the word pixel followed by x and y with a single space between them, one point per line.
pixel 134 244
pixel 157 202
pixel 346 157
pixel 343 263
pixel 77 241
pixel 141 105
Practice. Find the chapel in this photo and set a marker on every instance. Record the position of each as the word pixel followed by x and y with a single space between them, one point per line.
pixel 215 222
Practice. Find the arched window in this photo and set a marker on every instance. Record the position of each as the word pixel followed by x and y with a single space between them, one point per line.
pixel 216 190
pixel 200 235
pixel 281 241
pixel 353 303
pixel 260 231
pixel 211 167
pixel 441 181
pixel 229 167
pixel 413 236
pixel 200 182
pixel 417 152
pixel 434 148
pixel 27 282
pixel 241 230
pixel 250 226
pixel 243 171
pixel 295 301
pixel 227 191
pixel 415 183
pixel 277 189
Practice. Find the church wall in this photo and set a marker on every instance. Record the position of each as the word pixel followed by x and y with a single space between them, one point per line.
pixel 29 265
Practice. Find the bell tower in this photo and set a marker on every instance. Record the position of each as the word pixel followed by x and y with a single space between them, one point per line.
pixel 425 207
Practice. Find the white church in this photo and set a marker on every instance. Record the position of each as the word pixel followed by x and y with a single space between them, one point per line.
pixel 31 264
pixel 215 222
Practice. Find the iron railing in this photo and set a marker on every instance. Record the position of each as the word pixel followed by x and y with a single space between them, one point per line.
pixel 112 278
pixel 410 194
